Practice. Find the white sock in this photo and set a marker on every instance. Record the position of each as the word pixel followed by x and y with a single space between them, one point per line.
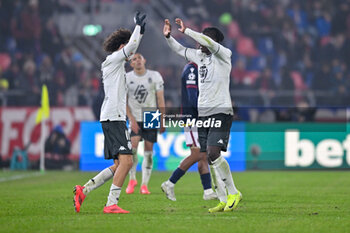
pixel 98 180
pixel 223 170
pixel 147 165
pixel 171 184
pixel 132 171
pixel 113 196
pixel 208 191
pixel 218 184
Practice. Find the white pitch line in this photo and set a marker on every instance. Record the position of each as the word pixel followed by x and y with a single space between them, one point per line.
pixel 18 177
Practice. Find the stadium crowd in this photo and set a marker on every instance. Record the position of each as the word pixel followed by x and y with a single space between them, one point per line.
pixel 33 52
pixel 282 49
pixel 283 46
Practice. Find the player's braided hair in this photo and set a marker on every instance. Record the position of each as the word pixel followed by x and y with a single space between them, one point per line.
pixel 114 40
pixel 214 33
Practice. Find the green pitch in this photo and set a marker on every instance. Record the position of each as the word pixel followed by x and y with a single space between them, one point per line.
pixel 272 202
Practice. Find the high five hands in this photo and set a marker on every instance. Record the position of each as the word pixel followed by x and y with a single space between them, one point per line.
pixel 140 20
pixel 179 22
pixel 167 27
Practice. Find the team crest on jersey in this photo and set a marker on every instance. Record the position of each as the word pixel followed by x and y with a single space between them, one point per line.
pixel 149 80
pixel 191 75
pixel 141 94
pixel 203 72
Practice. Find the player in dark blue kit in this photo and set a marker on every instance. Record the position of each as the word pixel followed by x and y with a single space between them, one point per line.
pixel 189 88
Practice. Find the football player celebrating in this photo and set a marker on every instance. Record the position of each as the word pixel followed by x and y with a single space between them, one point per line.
pixel 145 91
pixel 189 96
pixel 122 45
pixel 214 100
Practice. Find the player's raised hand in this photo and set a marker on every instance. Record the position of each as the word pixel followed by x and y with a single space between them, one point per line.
pixel 143 28
pixel 179 22
pixel 139 19
pixel 167 28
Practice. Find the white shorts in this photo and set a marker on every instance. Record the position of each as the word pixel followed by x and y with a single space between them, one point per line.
pixel 191 135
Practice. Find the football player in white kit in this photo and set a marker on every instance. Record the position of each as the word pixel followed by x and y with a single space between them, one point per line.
pixel 214 101
pixel 145 92
pixel 189 99
pixel 121 45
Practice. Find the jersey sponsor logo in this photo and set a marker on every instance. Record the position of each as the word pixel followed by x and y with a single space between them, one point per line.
pixel 141 94
pixel 122 148
pixel 203 72
pixel 191 82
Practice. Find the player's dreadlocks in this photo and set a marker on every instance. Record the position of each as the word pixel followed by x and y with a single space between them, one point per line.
pixel 113 41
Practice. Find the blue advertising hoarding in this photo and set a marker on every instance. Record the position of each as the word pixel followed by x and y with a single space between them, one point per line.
pixel 168 152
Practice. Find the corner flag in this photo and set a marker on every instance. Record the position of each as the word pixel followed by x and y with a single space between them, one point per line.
pixel 44 110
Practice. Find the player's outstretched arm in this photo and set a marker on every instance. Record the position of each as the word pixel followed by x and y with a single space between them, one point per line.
pixel 134 41
pixel 187 53
pixel 213 46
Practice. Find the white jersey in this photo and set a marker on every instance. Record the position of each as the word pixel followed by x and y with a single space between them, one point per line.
pixel 142 91
pixel 114 80
pixel 214 73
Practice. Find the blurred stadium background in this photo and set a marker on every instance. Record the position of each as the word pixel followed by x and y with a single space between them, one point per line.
pixel 290 70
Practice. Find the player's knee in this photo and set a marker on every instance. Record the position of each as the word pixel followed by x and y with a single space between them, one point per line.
pixel 213 153
pixel 195 153
pixel 127 162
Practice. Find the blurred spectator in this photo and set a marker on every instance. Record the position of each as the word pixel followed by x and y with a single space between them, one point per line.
pixel 266 86
pixel 57 149
pixel 51 40
pixel 29 83
pixel 322 83
pixel 340 89
pixel 46 72
pixel 307 70
pixel 303 112
pixel 323 24
pixel 287 88
pixel 299 16
pixel 323 78
pixel 58 92
pixel 239 73
pixel 26 28
pixel 340 18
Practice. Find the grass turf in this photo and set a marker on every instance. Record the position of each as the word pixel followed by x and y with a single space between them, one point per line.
pixel 272 202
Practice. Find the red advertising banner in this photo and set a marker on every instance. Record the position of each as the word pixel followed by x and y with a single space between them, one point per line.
pixel 18 129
